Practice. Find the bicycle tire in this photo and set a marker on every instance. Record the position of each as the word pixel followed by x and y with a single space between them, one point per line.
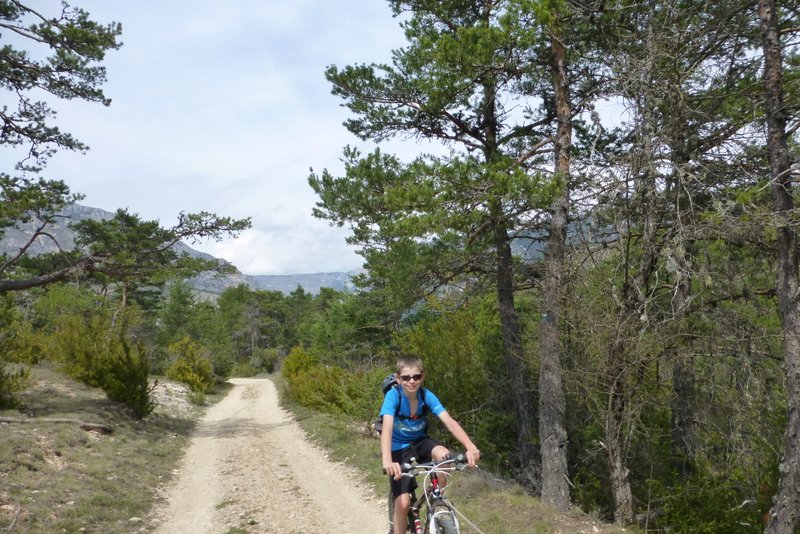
pixel 445 520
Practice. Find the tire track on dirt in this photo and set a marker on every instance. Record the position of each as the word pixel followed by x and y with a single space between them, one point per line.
pixel 249 466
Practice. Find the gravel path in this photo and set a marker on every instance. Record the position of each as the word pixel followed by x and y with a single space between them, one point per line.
pixel 250 469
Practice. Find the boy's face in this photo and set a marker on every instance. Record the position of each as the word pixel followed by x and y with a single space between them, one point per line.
pixel 410 379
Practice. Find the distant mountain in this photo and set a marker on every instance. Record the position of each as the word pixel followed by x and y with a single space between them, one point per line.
pixel 208 284
pixel 15 238
pixel 212 284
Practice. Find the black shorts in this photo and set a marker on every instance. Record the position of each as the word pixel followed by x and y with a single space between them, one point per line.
pixel 421 450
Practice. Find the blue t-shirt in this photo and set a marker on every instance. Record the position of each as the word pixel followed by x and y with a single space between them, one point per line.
pixel 407 429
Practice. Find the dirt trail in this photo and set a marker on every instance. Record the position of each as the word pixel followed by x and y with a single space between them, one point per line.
pixel 249 467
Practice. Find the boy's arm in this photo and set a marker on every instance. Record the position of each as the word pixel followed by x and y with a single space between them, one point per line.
pixel 472 452
pixel 389 467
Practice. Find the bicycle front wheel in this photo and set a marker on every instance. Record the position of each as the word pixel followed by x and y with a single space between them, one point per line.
pixel 444 520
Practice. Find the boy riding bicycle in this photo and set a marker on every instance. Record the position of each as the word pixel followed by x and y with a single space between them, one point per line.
pixel 404 409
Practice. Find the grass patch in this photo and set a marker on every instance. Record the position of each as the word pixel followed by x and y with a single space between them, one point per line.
pixel 57 477
pixel 493 505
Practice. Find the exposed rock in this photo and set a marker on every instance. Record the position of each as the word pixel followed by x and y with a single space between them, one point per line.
pixel 171 398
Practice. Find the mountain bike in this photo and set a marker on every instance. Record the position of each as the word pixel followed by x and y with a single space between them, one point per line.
pixel 432 506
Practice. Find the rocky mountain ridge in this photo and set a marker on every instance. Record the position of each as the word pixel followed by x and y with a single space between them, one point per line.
pixel 207 284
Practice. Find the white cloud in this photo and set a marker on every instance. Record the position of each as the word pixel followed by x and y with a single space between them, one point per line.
pixel 223 107
pixel 287 250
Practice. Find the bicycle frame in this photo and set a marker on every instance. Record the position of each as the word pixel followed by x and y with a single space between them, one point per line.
pixel 427 503
pixel 432 503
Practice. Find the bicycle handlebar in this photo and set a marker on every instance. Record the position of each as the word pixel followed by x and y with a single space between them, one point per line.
pixel 459 460
pixel 413 469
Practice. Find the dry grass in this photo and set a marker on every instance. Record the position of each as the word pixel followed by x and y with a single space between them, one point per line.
pixel 57 477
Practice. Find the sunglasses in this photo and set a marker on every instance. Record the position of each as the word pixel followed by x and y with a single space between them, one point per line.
pixel 415 378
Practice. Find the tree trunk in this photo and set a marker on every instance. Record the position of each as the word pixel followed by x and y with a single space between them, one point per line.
pixel 785 514
pixel 616 446
pixel 514 356
pixel 682 434
pixel 552 431
pixel 630 305
pixel 682 422
pixel 682 404
pixel 513 353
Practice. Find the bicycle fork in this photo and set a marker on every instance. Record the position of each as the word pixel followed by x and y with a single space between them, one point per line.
pixel 433 498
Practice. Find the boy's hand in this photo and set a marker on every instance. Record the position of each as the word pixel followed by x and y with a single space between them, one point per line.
pixel 393 470
pixel 473 455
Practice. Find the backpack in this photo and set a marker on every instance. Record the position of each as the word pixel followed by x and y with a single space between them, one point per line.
pixel 391 382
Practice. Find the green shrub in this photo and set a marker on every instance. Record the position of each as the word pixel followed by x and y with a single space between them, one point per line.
pixel 321 388
pixel 125 378
pixel 297 361
pixel 365 396
pixel 80 344
pixel 266 359
pixel 191 366
pixel 243 369
pixel 334 390
pixel 159 360
pixel 197 398
pixel 222 365
pixel 12 381
pixel 94 348
pixel 706 505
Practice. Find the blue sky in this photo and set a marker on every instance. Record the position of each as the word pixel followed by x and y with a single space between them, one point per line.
pixel 223 107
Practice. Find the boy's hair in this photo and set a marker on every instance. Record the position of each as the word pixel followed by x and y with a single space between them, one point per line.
pixel 407 360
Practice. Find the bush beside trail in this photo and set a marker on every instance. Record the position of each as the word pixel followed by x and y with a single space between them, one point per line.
pixel 191 366
pixel 331 389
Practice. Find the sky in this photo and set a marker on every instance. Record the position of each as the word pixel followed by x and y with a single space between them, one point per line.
pixel 222 106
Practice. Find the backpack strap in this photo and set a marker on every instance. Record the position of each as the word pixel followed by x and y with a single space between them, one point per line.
pixel 423 412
